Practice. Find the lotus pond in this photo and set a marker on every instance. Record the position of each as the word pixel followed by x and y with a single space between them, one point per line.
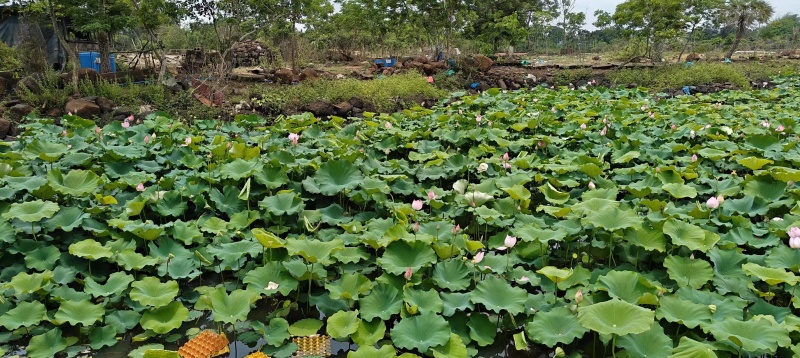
pixel 596 222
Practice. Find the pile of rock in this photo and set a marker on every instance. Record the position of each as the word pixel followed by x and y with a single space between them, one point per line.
pixel 250 53
pixel 194 61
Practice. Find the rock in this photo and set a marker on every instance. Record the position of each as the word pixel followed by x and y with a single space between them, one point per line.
pixel 82 108
pixel 54 113
pixel 12 102
pixel 106 105
pixel 172 84
pixel 83 74
pixel 309 74
pixel 320 108
pixel 3 87
pixel 21 110
pixel 484 63
pixel 483 86
pixel 92 99
pixel 31 83
pixel 5 127
pixel 284 76
pixel 423 60
pixel 694 57
pixel 356 102
pixel 119 114
pixel 343 109
pixel 502 84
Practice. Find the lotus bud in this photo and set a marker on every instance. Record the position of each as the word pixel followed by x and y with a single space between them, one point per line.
pixel 294 138
pixel 794 232
pixel 416 227
pixel 456 229
pixel 507 165
pixel 694 158
pixel 140 187
pixel 408 273
pixel 188 140
pixel 69 113
pixel 153 137
pixel 489 123
pixel 388 125
pixel 272 286
pixel 559 352
pixel 431 195
pixel 579 296
pixel 712 203
pixel 691 257
pixel 510 241
pixel 658 169
pixel 674 127
pixel 591 185
pixel 505 157
pixel 765 124
pixel 794 242
pixel 64 133
pixel 603 131
pixel 692 134
pixel 478 257
pixel 541 144
pixel 780 128
pixel 483 167
pixel 416 204
pixel 478 119
pixel 583 126
pixel 97 130
pixel 125 124
pixel 146 139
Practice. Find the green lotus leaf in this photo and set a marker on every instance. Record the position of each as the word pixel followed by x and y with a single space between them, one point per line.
pixel 477 197
pixel 689 235
pixel 48 344
pixel 454 302
pixel 555 274
pixel 238 169
pixel 132 260
pixel 164 319
pixel 481 329
pixel 421 332
pixel 531 233
pixel 386 351
pixel 25 283
pixel 497 295
pixel 276 333
pixel 557 326
pixel 765 188
pixel 305 327
pixel 314 251
pixel 342 324
pixel 102 337
pixel 259 279
pixel 116 283
pixel 160 353
pixel 67 219
pixel 453 275
pixel 76 183
pixel 44 150
pixel 271 177
pixel 518 192
pixel 687 313
pixel 369 332
pixel 79 312
pixel 647 238
pixel 687 271
pixel 613 219
pixel 89 249
pixel 139 352
pixel 652 343
pixel 615 317
pixel 231 254
pixel 171 204
pixel 627 157
pixel 454 348
pixel 268 239
pixel 31 211
pixel 424 301
pixel 628 286
pixel 25 314
pixel 384 301
pixel 552 195
pixel 349 287
pixel 748 205
pixel 230 308
pixel 282 204
pixel 753 336
pixel 400 255
pixel 227 200
pixel 689 348
pixel 680 191
pixel 122 321
pixel 772 276
pixel 754 163
pixel 150 291
pixel 337 175
pixel 43 258
pixel 29 184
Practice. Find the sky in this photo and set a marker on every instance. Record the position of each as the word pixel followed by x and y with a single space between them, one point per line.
pixel 589 6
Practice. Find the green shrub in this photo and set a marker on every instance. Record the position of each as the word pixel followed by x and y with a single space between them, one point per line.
pixel 565 77
pixel 679 75
pixel 9 59
pixel 51 96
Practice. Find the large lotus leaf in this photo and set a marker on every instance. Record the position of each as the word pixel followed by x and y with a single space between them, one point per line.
pixel 481 329
pixel 772 276
pixel 31 211
pixel 76 183
pixel 687 271
pixel 48 344
pixel 421 332
pixel 384 301
pixel 754 163
pixel 552 195
pixel 43 258
pixel 79 312
pixel 652 343
pixel 271 177
pixel 116 283
pixel 67 219
pixel 647 238
pixel 342 324
pixel 259 279
pixel 680 191
pixel 267 239
pixel 753 336
pixel 423 301
pixel 400 255
pixel 613 219
pixel 532 233
pixel 89 249
pixel 305 327
pixel 230 308
pixel 455 302
pixel 132 260
pixel 628 286
pixel 102 336
pixel 765 188
pixel 454 348
pixel 557 326
pixel 313 250
pixel 555 274
pixel 349 287
pixel 687 313
pixel 689 348
pixel 171 204
pixel 497 295
pixel 386 351
pixel 276 333
pixel 689 235
pixel 227 200
pixel 122 320
pixel 282 204
pixel 453 275
pixel 748 205
pixel 46 150
pixel 25 283
pixel 337 175
pixel 150 291
pixel 25 314
pixel 369 333
pixel 615 317
pixel 238 169
pixel 164 319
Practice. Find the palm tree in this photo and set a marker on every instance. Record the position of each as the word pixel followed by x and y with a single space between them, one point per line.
pixel 743 14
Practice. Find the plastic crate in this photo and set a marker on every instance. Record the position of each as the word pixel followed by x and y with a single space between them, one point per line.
pixel 92 60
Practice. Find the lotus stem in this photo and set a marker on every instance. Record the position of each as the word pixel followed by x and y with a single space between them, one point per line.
pixel 614 345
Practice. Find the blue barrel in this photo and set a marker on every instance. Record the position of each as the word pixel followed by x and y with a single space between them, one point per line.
pixel 92 60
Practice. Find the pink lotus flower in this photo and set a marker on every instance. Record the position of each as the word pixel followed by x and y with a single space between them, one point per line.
pixel 507 165
pixel 125 124
pixel 694 158
pixel 712 203
pixel 510 241
pixel 674 127
pixel 592 186
pixel 780 128
pixel 603 131
pixel 408 274
pixel 129 119
pixel 794 232
pixel 97 130
pixel 416 204
pixel 140 187
pixel 478 118
pixel 188 140
pixel 505 156
pixel 456 229
pixel 541 144
pixel 431 195
pixel 387 125
pixel 64 133
pixel 146 139
pixel 416 227
pixel 294 138
pixel 478 257
pixel 765 124
pixel 583 126
pixel 272 285
pixel 794 242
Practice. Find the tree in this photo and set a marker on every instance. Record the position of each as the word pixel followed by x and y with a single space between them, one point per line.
pixel 743 14
pixel 653 20
pixel 785 28
pixel 102 18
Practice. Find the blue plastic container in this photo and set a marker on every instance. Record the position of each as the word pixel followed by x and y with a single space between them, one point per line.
pixel 92 60
pixel 385 62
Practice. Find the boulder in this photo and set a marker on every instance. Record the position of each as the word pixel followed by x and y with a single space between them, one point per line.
pixel 31 83
pixel 21 110
pixel 284 76
pixel 82 108
pixel 343 109
pixel 694 57
pixel 84 74
pixel 320 108
pixel 484 63
pixel 309 74
pixel 54 113
pixel 5 127
pixel 3 87
pixel 106 105
pixel 356 102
